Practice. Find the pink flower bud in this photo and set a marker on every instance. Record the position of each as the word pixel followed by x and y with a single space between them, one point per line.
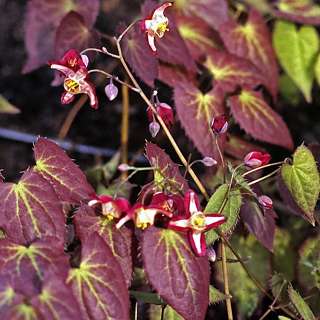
pixel 154 128
pixel 123 167
pixel 219 124
pixel 209 162
pixel 265 202
pixel 211 254
pixel 256 159
pixel 111 91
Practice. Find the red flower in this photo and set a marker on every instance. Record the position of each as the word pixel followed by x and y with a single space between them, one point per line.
pixel 157 25
pixel 143 216
pixel 111 208
pixel 76 77
pixel 195 222
pixel 169 202
pixel 164 111
pixel 256 159
pixel 219 124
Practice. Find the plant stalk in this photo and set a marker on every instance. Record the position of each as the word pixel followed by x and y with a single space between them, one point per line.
pixel 125 128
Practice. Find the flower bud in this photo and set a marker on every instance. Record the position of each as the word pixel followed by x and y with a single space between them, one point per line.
pixel 123 167
pixel 256 159
pixel 211 254
pixel 209 162
pixel 85 59
pixel 219 124
pixel 111 91
pixel 154 128
pixel 265 202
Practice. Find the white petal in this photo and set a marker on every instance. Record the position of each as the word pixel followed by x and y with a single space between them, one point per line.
pixel 192 204
pixel 151 43
pixel 91 203
pixel 180 223
pixel 210 220
pixel 197 241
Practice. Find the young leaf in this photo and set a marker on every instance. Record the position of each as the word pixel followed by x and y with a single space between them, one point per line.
pixel 167 174
pixel 230 72
pixel 41 21
pixel 180 278
pixel 30 209
pixel 297 51
pixel 98 283
pixel 257 118
pixel 7 107
pixel 195 111
pixel 261 224
pixel 73 32
pixel 138 55
pixel 68 181
pixel 302 181
pixel 252 41
pixel 230 211
pixel 213 12
pixel 305 12
pixel 243 290
pixel 169 313
pixel 301 306
pixel 118 240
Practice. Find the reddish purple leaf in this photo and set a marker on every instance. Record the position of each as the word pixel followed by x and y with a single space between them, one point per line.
pixel 179 277
pixel 39 257
pixel 174 75
pixel 98 283
pixel 118 240
pixel 257 118
pixel 260 223
pixel 139 56
pixel 68 181
pixel 74 33
pixel 214 12
pixel 229 71
pixel 198 36
pixel 252 41
pixel 167 173
pixel 305 12
pixel 30 209
pixel 41 21
pixel 195 111
pixel 238 148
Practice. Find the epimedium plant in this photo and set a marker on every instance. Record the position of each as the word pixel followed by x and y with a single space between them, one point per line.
pixel 72 251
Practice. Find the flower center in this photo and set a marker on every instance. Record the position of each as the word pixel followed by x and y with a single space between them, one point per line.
pixel 110 211
pixel 161 29
pixel 198 221
pixel 72 86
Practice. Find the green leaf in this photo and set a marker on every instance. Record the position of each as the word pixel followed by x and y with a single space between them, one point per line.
pixel 289 91
pixel 7 107
pixel 169 313
pixel 301 306
pixel 216 295
pixel 279 287
pixel 297 50
pixel 317 70
pixel 231 210
pixel 147 297
pixel 284 318
pixel 179 277
pixel 302 181
pixel 242 289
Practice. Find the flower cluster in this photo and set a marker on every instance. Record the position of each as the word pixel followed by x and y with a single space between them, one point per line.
pixel 176 213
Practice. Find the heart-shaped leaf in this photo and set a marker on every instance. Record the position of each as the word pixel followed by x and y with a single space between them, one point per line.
pixel 195 111
pixel 302 181
pixel 179 277
pixel 230 71
pixel 98 283
pixel 68 181
pixel 260 223
pixel 30 209
pixel 297 51
pixel 166 174
pixel 252 41
pixel 7 107
pixel 230 210
pixel 118 240
pixel 257 118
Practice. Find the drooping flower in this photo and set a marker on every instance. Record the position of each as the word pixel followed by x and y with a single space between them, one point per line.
pixel 256 159
pixel 196 223
pixel 170 202
pixel 143 216
pixel 154 128
pixel 209 162
pixel 164 111
pixel 219 124
pixel 76 77
pixel 157 25
pixel 111 208
pixel 265 201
